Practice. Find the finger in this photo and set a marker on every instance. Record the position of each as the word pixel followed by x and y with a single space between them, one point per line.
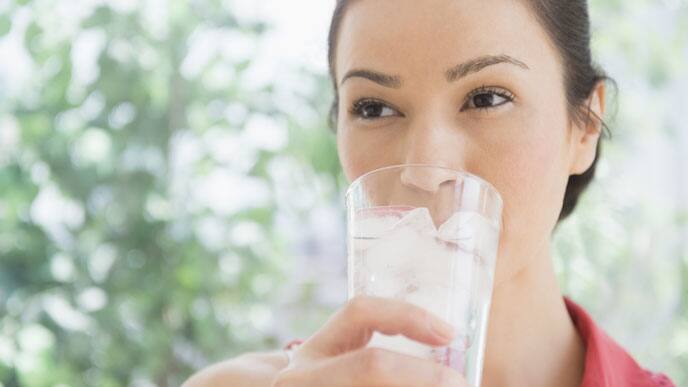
pixel 353 326
pixel 373 367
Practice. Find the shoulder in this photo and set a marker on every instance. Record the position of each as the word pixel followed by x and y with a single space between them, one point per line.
pixel 249 369
pixel 606 362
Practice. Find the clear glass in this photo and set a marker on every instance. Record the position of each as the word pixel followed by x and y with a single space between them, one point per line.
pixel 427 235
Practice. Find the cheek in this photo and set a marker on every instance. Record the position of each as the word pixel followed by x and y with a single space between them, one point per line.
pixel 353 155
pixel 345 147
pixel 532 179
pixel 361 152
pixel 522 154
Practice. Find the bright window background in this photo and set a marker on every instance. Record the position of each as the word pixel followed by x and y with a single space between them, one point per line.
pixel 170 194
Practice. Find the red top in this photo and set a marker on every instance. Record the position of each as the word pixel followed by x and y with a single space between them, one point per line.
pixel 606 363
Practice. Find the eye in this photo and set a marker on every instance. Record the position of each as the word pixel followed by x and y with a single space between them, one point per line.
pixel 486 98
pixel 371 109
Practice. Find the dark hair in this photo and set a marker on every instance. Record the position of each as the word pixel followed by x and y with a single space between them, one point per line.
pixel 567 24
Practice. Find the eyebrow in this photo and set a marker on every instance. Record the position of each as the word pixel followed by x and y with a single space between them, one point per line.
pixel 453 74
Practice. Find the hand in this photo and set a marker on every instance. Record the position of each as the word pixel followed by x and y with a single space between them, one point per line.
pixel 336 354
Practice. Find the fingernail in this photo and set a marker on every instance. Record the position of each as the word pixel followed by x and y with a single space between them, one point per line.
pixel 442 329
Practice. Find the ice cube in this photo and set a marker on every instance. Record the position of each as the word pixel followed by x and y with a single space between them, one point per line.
pixel 471 230
pixel 371 226
pixel 433 298
pixel 418 220
pixel 404 261
pixel 456 227
pixel 389 262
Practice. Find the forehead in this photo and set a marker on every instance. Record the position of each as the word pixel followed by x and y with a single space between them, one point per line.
pixel 428 36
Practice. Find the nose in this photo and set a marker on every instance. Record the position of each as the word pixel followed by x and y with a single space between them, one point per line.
pixel 432 146
pixel 426 179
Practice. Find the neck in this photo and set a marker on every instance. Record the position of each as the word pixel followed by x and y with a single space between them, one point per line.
pixel 531 340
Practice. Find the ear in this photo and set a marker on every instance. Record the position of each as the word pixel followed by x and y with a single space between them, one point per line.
pixel 585 135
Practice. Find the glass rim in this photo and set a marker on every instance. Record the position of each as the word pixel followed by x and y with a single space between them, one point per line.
pixel 354 184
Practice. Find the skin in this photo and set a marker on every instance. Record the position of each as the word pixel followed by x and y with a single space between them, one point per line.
pixel 526 148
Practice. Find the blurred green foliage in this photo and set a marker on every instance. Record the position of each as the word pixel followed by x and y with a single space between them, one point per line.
pixel 105 279
pixel 141 190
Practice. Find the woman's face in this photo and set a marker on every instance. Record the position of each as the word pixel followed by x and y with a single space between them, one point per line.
pixel 474 85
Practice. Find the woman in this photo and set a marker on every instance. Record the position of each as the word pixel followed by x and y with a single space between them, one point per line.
pixel 502 89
